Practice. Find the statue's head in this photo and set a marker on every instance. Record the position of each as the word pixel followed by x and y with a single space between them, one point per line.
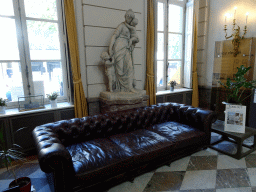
pixel 129 16
pixel 105 56
pixel 134 22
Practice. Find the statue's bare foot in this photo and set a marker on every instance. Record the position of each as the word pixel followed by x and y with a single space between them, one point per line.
pixel 133 90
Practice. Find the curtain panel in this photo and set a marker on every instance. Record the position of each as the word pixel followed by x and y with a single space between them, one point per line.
pixel 150 79
pixel 79 96
pixel 195 94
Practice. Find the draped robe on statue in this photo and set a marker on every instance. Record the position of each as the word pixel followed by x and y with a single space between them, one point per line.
pixel 124 70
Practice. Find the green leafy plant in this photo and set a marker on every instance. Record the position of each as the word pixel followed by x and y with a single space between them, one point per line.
pixel 235 88
pixel 52 96
pixel 173 83
pixel 3 102
pixel 7 155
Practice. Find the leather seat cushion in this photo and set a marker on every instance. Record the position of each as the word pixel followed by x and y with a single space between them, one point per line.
pixel 98 157
pixel 182 135
pixel 143 145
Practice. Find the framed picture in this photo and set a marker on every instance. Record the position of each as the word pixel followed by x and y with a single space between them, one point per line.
pixel 235 116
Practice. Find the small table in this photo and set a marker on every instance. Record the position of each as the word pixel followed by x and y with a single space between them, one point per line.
pixel 237 138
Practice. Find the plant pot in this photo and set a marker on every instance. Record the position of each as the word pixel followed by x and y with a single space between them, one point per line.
pixel 53 103
pixel 172 88
pixel 24 184
pixel 2 109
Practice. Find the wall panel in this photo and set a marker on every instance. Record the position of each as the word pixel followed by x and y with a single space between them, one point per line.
pixel 135 5
pixel 102 17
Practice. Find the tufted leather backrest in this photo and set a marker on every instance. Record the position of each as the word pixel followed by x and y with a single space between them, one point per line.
pixel 104 125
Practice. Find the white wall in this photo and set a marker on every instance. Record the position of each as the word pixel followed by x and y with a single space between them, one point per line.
pixel 218 8
pixel 96 22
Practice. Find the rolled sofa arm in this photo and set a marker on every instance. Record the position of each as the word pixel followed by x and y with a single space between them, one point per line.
pixel 54 157
pixel 201 119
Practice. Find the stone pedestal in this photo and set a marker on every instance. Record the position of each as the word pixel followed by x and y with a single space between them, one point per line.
pixel 119 101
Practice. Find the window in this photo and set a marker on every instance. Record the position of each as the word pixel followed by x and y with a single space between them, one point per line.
pixel 174 42
pixel 32 49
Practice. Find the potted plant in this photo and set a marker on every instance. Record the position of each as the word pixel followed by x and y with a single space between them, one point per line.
pixel 2 105
pixel 172 84
pixel 235 89
pixel 6 157
pixel 53 99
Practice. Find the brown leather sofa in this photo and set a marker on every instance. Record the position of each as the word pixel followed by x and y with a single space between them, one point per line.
pixel 96 152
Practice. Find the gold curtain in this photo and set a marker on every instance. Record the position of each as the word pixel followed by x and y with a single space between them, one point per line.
pixel 79 97
pixel 195 95
pixel 150 80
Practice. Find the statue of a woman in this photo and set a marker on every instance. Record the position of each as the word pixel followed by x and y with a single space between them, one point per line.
pixel 121 51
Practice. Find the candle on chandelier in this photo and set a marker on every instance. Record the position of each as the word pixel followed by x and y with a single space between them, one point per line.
pixel 235 13
pixel 246 18
pixel 227 15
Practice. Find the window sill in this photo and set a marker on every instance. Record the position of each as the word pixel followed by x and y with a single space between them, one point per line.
pixel 15 111
pixel 178 90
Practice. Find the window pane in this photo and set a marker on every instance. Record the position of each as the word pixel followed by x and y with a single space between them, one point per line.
pixel 47 77
pixel 43 40
pixel 160 73
pixel 174 69
pixel 188 47
pixel 44 9
pixel 160 16
pixel 175 18
pixel 160 46
pixel 8 40
pixel 6 8
pixel 174 46
pixel 11 81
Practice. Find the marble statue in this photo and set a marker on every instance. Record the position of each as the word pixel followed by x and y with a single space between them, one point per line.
pixel 120 55
pixel 119 68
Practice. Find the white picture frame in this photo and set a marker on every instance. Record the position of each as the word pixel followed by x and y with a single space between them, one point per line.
pixel 235 116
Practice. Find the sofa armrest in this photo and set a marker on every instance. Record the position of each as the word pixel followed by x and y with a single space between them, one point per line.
pixel 54 157
pixel 201 119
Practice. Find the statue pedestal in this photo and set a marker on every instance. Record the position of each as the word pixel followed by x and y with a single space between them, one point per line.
pixel 119 101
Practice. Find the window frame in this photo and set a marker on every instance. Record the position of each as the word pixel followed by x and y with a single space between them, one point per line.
pixel 166 32
pixel 25 61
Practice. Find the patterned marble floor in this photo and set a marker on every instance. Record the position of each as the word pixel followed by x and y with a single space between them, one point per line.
pixel 204 171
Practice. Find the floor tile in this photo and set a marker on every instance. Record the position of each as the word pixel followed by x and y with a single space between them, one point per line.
pixel 249 140
pixel 44 189
pixel 215 138
pixel 227 146
pixel 207 152
pixel 214 134
pixel 252 175
pixel 165 181
pixel 205 179
pixel 137 186
pixel 202 163
pixel 179 165
pixel 20 170
pixel 4 184
pixel 37 174
pixel 242 189
pixel 232 178
pixel 250 160
pixel 39 183
pixel 199 190
pixel 226 162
